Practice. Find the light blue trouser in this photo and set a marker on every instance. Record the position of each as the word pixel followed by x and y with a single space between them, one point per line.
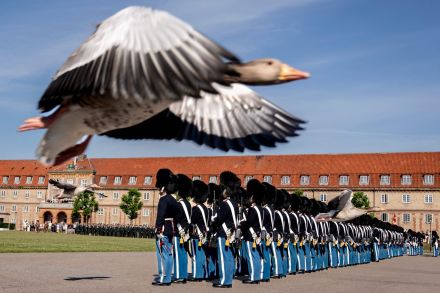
pixel 308 256
pixel 180 259
pixel 301 257
pixel 211 255
pixel 225 262
pixel 199 262
pixel 253 261
pixel 165 251
pixel 376 251
pixel 434 251
pixel 267 254
pixel 293 258
pixel 159 257
pixel 285 258
pixel 277 261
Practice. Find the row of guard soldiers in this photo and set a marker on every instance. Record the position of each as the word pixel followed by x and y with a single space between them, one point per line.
pixel 257 234
pixel 115 230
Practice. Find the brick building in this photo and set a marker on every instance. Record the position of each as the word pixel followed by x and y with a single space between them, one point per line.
pixel 405 185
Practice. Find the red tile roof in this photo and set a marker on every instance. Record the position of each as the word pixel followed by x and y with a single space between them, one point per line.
pixel 22 169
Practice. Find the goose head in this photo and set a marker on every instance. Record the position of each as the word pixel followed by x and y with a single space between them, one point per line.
pixel 264 71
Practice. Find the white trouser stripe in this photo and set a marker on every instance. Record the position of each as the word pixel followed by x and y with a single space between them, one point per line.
pixel 275 258
pixel 252 272
pixel 222 260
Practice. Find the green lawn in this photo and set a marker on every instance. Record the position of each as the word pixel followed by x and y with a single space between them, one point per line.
pixel 18 241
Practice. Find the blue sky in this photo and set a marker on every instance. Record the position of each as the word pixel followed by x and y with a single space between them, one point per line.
pixel 375 66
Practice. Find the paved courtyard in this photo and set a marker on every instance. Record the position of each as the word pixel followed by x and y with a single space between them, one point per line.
pixel 133 272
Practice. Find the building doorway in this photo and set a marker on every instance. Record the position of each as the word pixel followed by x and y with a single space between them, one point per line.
pixel 62 217
pixel 47 216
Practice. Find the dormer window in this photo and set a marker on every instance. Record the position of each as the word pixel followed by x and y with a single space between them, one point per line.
pixel 428 179
pixel 406 180
pixel 385 179
pixel 118 180
pixel 304 180
pixel 343 180
pixel 364 180
pixel 285 180
pixel 323 180
pixel 147 180
pixel 132 180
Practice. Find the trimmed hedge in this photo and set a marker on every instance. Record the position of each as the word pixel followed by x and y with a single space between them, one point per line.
pixel 5 225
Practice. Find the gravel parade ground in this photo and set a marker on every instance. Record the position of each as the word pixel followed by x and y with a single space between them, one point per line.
pixel 134 271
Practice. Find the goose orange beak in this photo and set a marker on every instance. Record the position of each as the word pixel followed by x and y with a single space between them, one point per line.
pixel 288 73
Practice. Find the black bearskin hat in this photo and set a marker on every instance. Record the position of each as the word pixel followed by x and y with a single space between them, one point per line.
pixel 256 190
pixel 229 183
pixel 184 185
pixel 270 194
pixel 279 202
pixel 295 202
pixel 167 180
pixel 199 191
pixel 214 193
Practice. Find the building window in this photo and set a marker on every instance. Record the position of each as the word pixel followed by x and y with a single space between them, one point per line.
pixel 17 180
pixel 100 211
pixel 428 198
pixel 267 179
pixel 115 195
pixel 148 180
pixel 384 217
pixel 384 198
pixel 428 179
pixel 323 180
pixel 146 196
pixel 343 180
pixel 285 180
pixel 385 179
pixel 247 179
pixel 103 180
pixel 406 198
pixel 13 208
pixel 2 208
pixel 196 178
pixel 27 194
pixel 39 194
pixel 3 193
pixel 213 179
pixel 25 209
pixel 323 197
pixel 37 209
pixel 146 212
pixel 5 179
pixel 101 195
pixel 428 218
pixel 118 180
pixel 406 218
pixel 41 180
pixel 69 181
pixel 15 193
pixel 115 211
pixel 364 179
pixel 84 182
pixel 406 180
pixel 304 180
pixel 29 180
pixel 132 180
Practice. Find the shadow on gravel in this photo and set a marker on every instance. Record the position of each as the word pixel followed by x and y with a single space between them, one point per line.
pixel 85 278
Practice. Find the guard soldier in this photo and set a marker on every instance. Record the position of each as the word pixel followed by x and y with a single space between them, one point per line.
pixel 214 193
pixel 268 222
pixel 434 243
pixel 167 209
pixel 225 224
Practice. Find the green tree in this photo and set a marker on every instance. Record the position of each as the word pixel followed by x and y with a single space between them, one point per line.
pixel 298 192
pixel 360 200
pixel 86 204
pixel 131 204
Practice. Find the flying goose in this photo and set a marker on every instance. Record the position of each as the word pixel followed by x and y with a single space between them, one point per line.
pixel 145 74
pixel 341 209
pixel 69 191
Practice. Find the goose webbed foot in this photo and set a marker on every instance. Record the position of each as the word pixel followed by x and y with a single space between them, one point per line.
pixel 71 152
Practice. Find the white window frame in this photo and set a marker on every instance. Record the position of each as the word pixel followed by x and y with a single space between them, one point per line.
pixel 37 209
pixel 406 218
pixel 3 193
pixel 406 198
pixel 384 198
pixel 304 180
pixel 323 180
pixel 285 180
pixel 267 179
pixel 364 179
pixel 29 180
pixel 196 177
pixel 70 181
pixel 406 179
pixel 27 193
pixel 84 182
pixel 213 179
pixel 344 182
pixel 148 180
pixel 146 195
pixel 145 212
pixel 132 180
pixel 428 179
pixel 5 179
pixel 41 180
pixel 100 211
pixel 115 195
pixel 385 217
pixel 101 195
pixel 2 208
pixel 427 217
pixel 248 178
pixel 323 197
pixel 14 208
pixel 118 180
pixel 17 180
pixel 15 193
pixel 385 179
pixel 39 194
pixel 103 180
pixel 25 209
pixel 114 211
pixel 428 198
